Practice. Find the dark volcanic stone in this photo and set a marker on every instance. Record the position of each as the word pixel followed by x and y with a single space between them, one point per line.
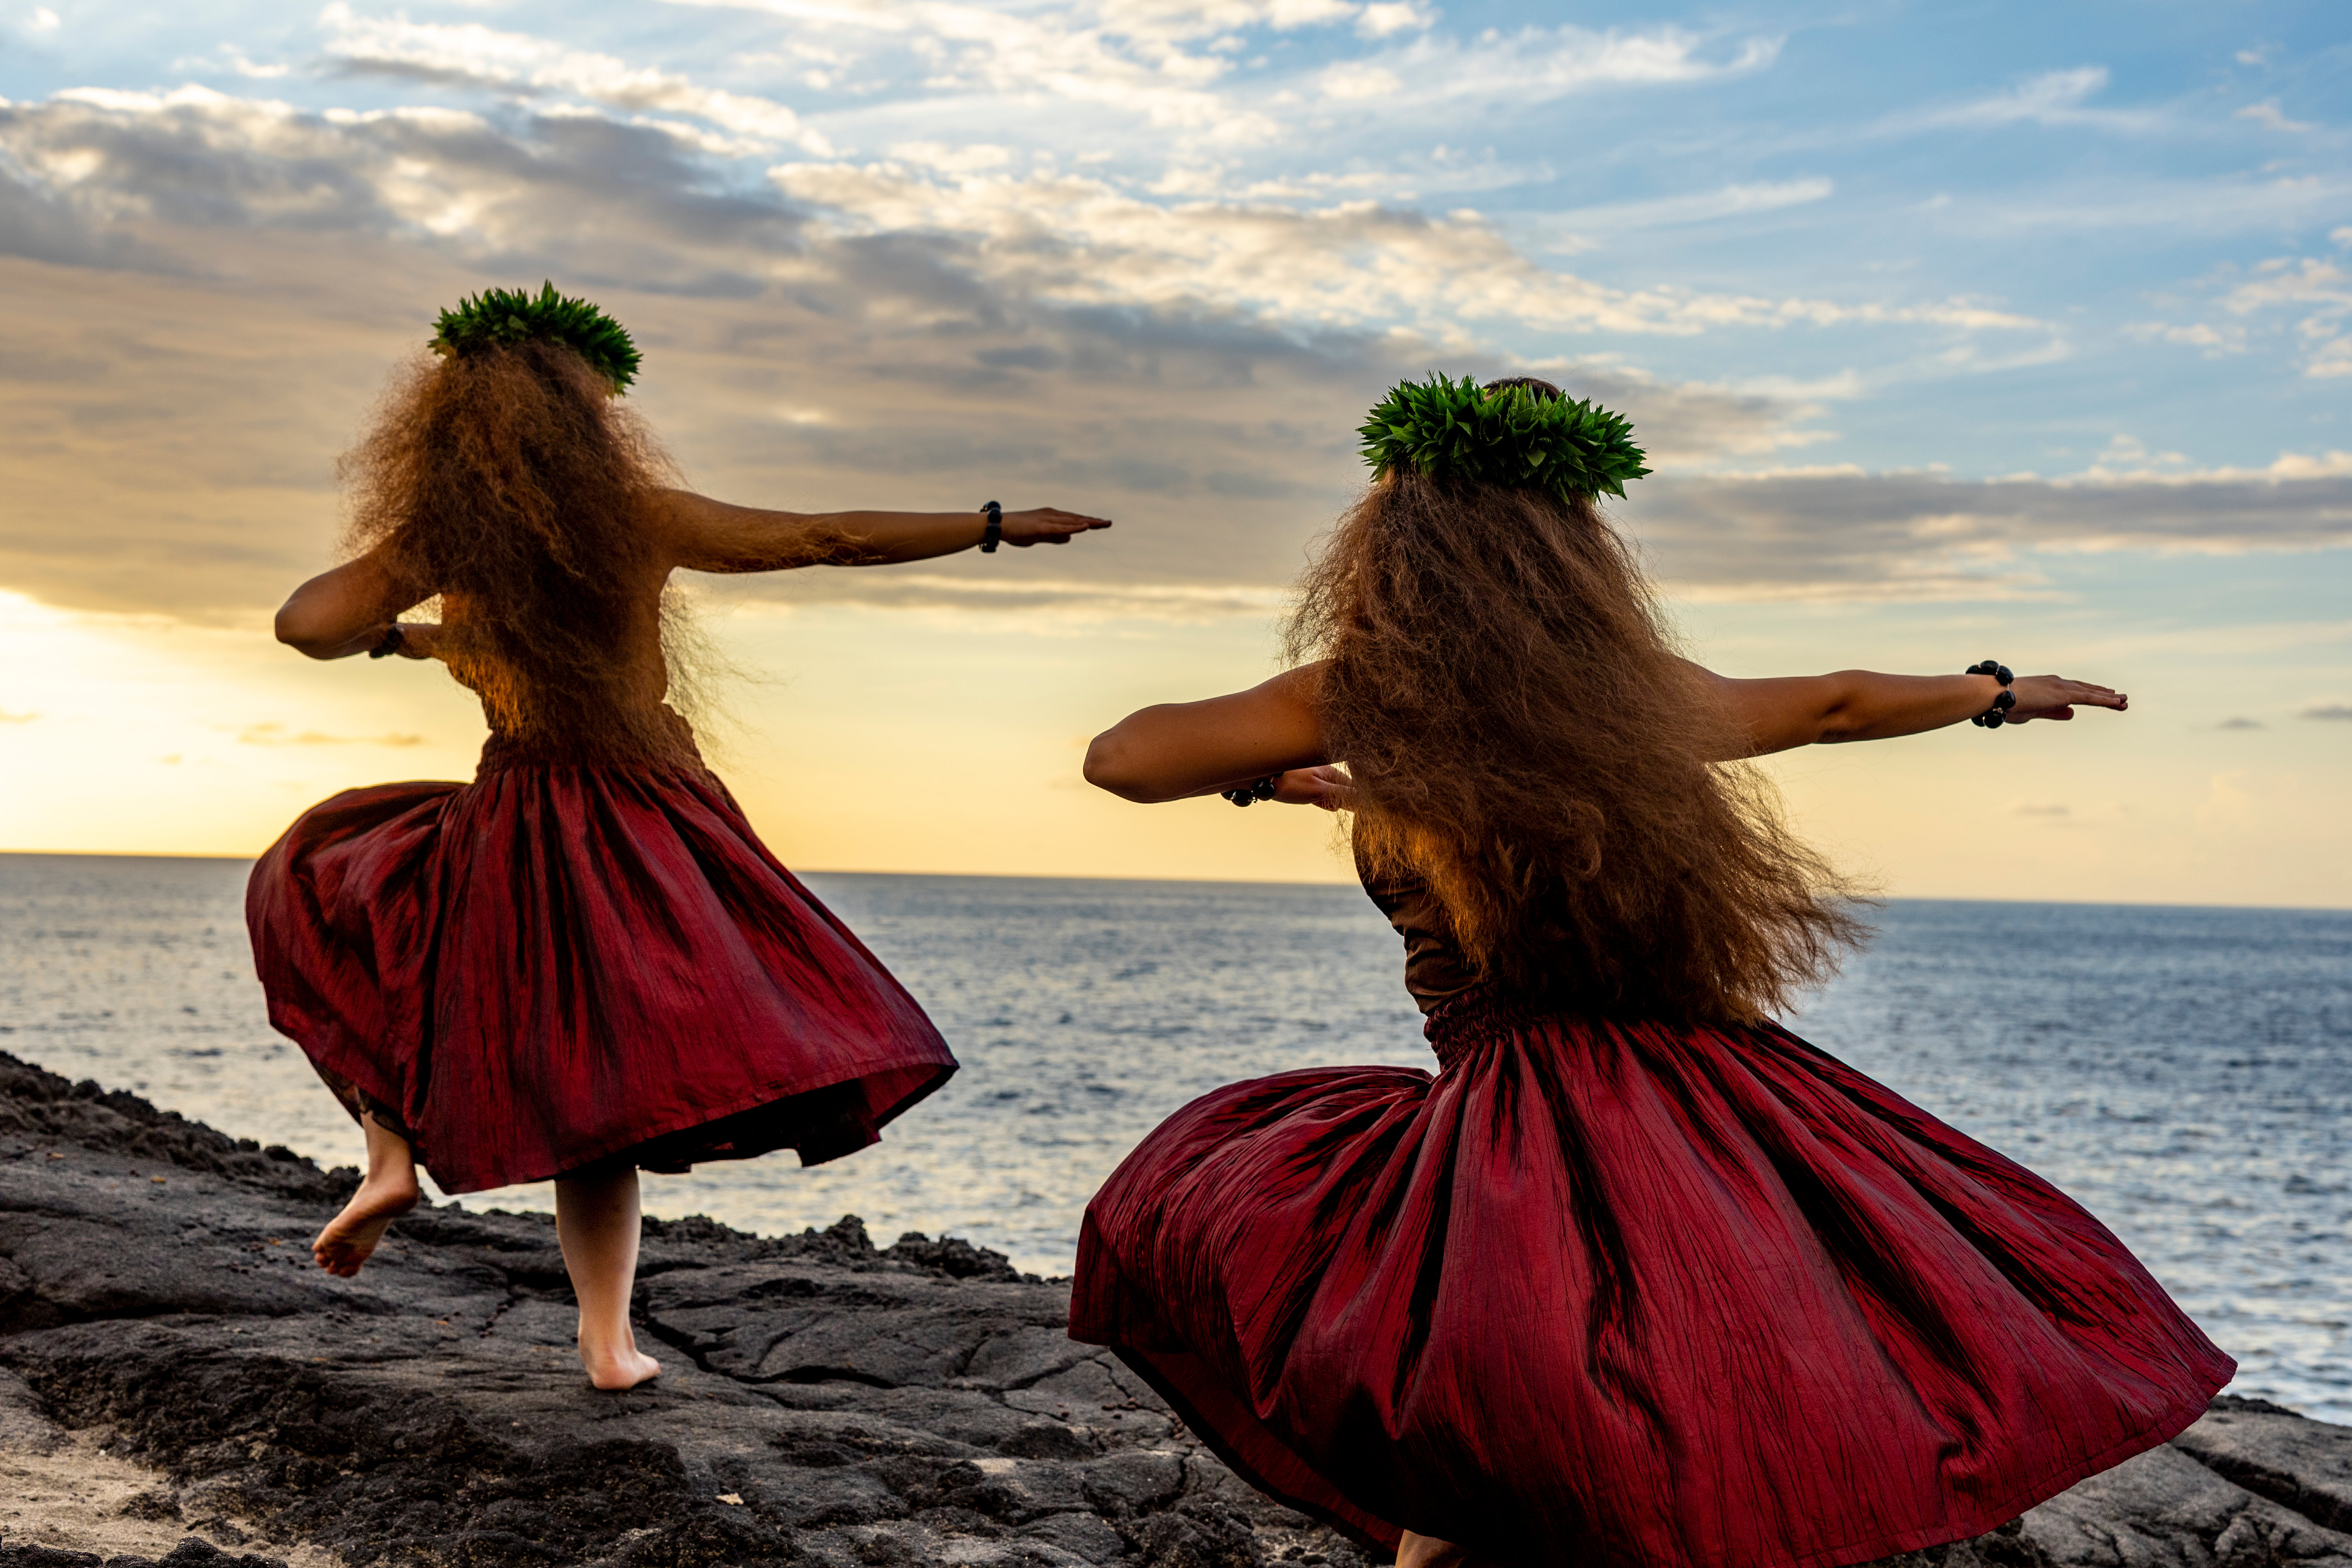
pixel 191 1553
pixel 824 1402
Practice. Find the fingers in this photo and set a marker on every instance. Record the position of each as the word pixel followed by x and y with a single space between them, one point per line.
pixel 2089 692
pixel 1322 787
pixel 1069 521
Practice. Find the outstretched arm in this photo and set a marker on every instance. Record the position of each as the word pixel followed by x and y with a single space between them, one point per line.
pixel 706 535
pixel 1787 712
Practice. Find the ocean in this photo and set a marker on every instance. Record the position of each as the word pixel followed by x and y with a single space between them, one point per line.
pixel 2185 1073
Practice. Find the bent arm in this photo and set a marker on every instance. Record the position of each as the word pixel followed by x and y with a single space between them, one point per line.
pixel 1174 750
pixel 348 610
pixel 706 535
pixel 1784 712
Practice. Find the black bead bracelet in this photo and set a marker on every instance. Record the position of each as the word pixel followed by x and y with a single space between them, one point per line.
pixel 995 532
pixel 1261 790
pixel 388 643
pixel 1994 717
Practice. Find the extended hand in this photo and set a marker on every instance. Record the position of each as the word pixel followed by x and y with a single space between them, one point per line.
pixel 1047 525
pixel 2055 697
pixel 1329 787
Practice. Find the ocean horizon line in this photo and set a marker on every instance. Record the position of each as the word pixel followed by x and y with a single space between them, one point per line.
pixel 1260 882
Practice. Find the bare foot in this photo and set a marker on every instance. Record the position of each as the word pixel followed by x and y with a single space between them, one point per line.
pixel 351 1236
pixel 624 1368
pixel 1428 1552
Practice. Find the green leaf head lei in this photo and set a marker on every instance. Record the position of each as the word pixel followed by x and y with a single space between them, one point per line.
pixel 500 316
pixel 1506 434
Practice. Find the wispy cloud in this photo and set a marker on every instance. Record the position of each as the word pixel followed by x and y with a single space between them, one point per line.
pixel 2052 98
pixel 279 735
pixel 2214 339
pixel 2332 711
pixel 1537 65
pixel 2267 115
pixel 1580 229
pixel 2317 292
pixel 481 55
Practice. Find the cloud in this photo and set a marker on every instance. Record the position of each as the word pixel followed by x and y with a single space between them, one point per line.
pixel 9 718
pixel 2214 339
pixel 2052 99
pixel 1080 241
pixel 99 167
pixel 895 332
pixel 472 54
pixel 642 201
pixel 1577 223
pixel 278 735
pixel 1847 534
pixel 1539 65
pixel 2286 280
pixel 1171 63
pixel 2266 115
pixel 1383 18
pixel 2328 711
pixel 2240 724
pixel 2025 808
pixel 2321 290
pixel 2318 292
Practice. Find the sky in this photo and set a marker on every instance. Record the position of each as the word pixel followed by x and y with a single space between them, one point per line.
pixel 1954 330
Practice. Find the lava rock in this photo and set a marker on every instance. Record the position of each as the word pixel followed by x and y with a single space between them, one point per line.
pixel 824 1402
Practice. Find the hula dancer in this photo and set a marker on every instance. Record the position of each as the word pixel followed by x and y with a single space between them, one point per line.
pixel 583 963
pixel 1638 1279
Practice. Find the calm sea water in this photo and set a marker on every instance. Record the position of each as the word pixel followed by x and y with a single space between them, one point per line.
pixel 2185 1073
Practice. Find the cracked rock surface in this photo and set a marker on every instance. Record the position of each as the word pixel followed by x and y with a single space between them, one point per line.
pixel 823 1402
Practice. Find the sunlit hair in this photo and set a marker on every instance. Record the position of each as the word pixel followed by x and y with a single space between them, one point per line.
pixel 1524 739
pixel 510 480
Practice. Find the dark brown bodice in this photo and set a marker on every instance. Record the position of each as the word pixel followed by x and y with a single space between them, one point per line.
pixel 1434 970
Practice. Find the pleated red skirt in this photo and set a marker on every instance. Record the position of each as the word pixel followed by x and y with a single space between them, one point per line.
pixel 1628 1296
pixel 563 964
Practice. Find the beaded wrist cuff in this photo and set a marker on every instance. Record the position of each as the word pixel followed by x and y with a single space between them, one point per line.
pixel 1994 717
pixel 1261 790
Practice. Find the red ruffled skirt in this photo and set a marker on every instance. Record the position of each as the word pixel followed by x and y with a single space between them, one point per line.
pixel 564 964
pixel 1628 1296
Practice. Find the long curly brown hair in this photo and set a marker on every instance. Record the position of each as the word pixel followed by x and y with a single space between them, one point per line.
pixel 510 482
pixel 1524 739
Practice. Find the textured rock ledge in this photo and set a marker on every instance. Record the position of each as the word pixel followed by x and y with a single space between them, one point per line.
pixel 824 1402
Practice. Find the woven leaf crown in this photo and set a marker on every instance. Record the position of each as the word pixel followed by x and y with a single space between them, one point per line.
pixel 1514 436
pixel 500 316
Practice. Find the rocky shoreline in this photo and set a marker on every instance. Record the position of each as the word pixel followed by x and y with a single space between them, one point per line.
pixel 824 1402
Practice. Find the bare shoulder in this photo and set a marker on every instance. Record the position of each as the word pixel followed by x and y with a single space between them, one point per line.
pixel 701 534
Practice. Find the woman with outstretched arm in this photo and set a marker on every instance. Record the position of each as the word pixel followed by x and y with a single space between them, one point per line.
pixel 1638 1279
pixel 583 963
